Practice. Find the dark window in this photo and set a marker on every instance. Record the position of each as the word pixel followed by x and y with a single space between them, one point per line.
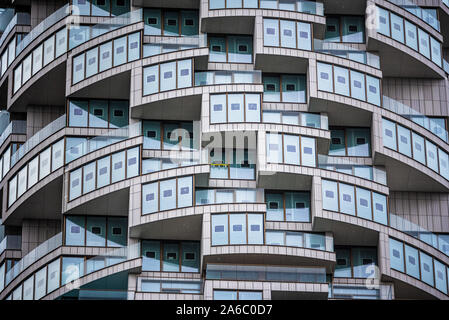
pixel 151 134
pixel 189 256
pixel 331 28
pixel 352 28
pixel 216 48
pixel 96 230
pixel 367 261
pixel 300 205
pixel 150 254
pixel 188 22
pixel 98 112
pixel 291 87
pixel 118 113
pixel 360 141
pixel 271 87
pixel 171 255
pixel 171 22
pixel 341 262
pixel 121 3
pixel 116 231
pixel 243 48
pixel 336 141
pixel 273 205
pixel 152 21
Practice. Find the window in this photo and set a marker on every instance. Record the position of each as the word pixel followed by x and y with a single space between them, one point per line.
pixel 236 228
pixel 167 76
pixel 350 142
pixel 237 49
pixel 177 256
pixel 287 34
pixel 396 255
pixel 237 295
pixel 234 108
pixel 350 29
pixel 293 88
pixel 325 77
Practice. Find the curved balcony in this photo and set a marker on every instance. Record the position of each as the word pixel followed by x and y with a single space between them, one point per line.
pixel 405 153
pixel 417 275
pixel 422 59
pixel 223 16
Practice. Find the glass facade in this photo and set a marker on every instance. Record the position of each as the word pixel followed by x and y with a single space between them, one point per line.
pixel 235 107
pixel 174 23
pixel 170 256
pixel 287 34
pixel 237 228
pixel 355 262
pixel 233 49
pixel 291 149
pixel 167 76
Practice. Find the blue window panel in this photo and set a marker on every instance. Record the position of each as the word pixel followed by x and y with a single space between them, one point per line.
pixel 274 238
pixel 152 18
pixel 240 49
pixel 219 229
pixel 72 269
pixel 118 167
pixel 133 46
pixel 272 91
pixel 171 23
pixel 105 56
pixel 75 148
pixel 294 239
pixel 91 62
pixel 235 108
pixel 49 50
pixel 304 36
pixel 168 76
pixel 132 162
pixel 364 209
pixel 252 107
pixel 404 143
pixel 189 22
pixel 343 267
pixel 438 127
pixel 424 43
pixel 325 77
pixel 440 276
pixel 443 160
pixel 380 208
pixel 341 80
pixel 225 295
pixel 435 48
pixel 293 88
pixel 167 194
pixel 185 192
pixel 432 156
pixel 54 272
pixel 353 29
pixel 271 32
pixel 287 5
pixel 365 172
pixel 217 49
pixel 291 149
pixel 397 28
pixel 217 4
pixel 218 108
pixel 103 172
pixel 37 60
pixel 358 85
pixel 332 29
pixel 184 73
pixel 255 229
pixel 383 21
pixel 250 4
pixel 347 204
pixel 396 255
pixel 101 8
pixel 190 256
pixel 89 177
pixel 288 34
pixel 119 51
pixel 330 195
pixel 44 162
pixel 96 231
pixel 389 134
pixel 151 255
pixel 150 196
pixel 373 90
pixel 250 295
pixel 443 243
pixel 274 148
pixel 311 120
pixel 269 4
pixel 78 35
pixel 297 206
pixel 308 152
pixel 275 207
pixel 337 146
pixel 74 231
pixel 171 257
pixel 237 228
pixel 78 68
pixel 151 80
pixel 411 35
pixel 78 113
pixel 412 261
pixel 426 264
pixel 81 7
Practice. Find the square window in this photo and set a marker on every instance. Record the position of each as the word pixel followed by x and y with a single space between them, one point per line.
pixel 287 33
pixel 379 207
pixel 185 190
pixel 218 107
pixel 363 202
pixel 120 50
pixel 118 113
pixel 271 31
pixel 308 150
pixel 440 274
pixel 347 197
pixel 105 55
pixel 75 183
pixel 357 84
pixel 132 161
pixel 341 262
pixel 352 28
pixel 150 254
pixel 255 227
pixel 291 148
pixel 149 197
pixel 117 165
pixel 396 26
pixel 411 260
pixel 92 61
pixel 98 112
pixel 171 255
pixel 360 141
pixel 329 194
pixel 341 79
pixel 426 267
pixel 167 193
pixel 235 106
pixel 103 171
pixel 300 205
pixel 188 22
pixel 273 205
pixel 219 228
pixel 152 20
pixel 243 48
pixel 404 139
pixel 273 147
pixel 372 89
pixel 336 141
pixel 271 87
pixel 367 261
pixel 388 133
pixel 418 146
pixel 237 227
pixel 134 45
pixel 171 22
pixel 382 20
pixel 216 48
pixel 189 256
pixel 79 67
pixel 304 35
pixel 252 106
pixel 96 230
pixel 431 155
pixel 168 75
pixel 396 253
pixel 291 87
pixel 75 229
pixel 411 34
pixel 324 75
pixel 331 28
pixel 185 72
pixel 116 231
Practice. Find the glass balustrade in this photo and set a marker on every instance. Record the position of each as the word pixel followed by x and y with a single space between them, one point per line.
pixel 207 78
pixel 433 124
pixel 161 45
pixel 14 127
pixel 11 242
pixel 428 15
pixel 310 7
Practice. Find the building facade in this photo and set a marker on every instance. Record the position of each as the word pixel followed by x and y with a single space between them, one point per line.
pixel 224 149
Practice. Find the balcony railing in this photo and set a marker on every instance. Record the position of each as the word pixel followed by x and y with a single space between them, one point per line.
pixel 343 165
pixel 11 243
pixel 206 78
pixel 345 51
pixel 415 116
pixel 14 127
pixel 160 44
pixel 419 12
pixel 265 273
pixel 41 27
pixel 233 171
pixel 34 255
pixel 20 18
pixel 310 7
pixel 360 292
pixel 304 119
pixel 39 137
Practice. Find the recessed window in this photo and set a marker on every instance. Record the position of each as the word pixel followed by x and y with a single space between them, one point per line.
pixel 116 231
pixel 357 84
pixel 152 20
pixel 382 20
pixel 331 28
pixel 287 33
pixel 185 190
pixel 237 227
pixel 417 146
pixel 118 113
pixel 150 254
pixel 171 22
pixel 255 227
pixel 189 256
pixel 324 75
pixel 167 193
pixel 243 48
pixel 120 50
pixel 300 205
pixel 96 230
pixel 168 75
pixel 188 22
pixel 291 87
pixel 352 28
pixel 172 256
pixel 336 141
pixel 118 165
pixel 404 139
pixel 185 72
pixel 235 106
pixel 271 87
pixel 252 106
pixel 98 112
pixel 218 107
pixel 149 197
pixel 216 48
pixel 271 31
pixel 341 262
pixel 360 141
pixel 103 171
pixel 304 35
pixel 363 202
pixel 379 207
pixel 134 45
pixel 367 261
pixel 308 150
pixel 219 228
pixel 151 134
pixel 273 205
pixel 341 79
pixel 132 161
